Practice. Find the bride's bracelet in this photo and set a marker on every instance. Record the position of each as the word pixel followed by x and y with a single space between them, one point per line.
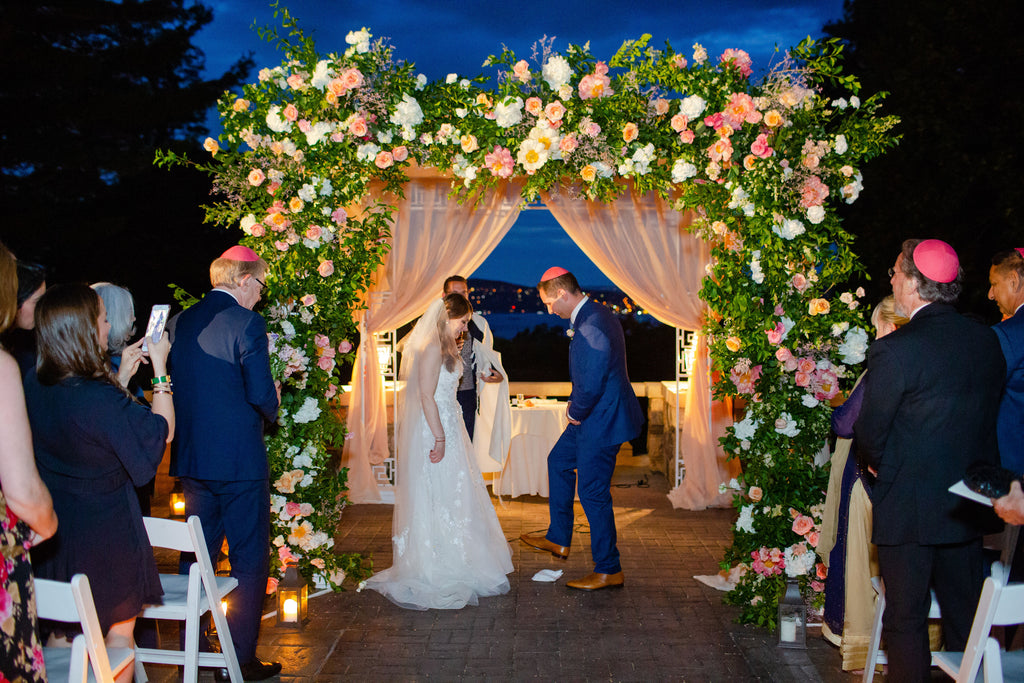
pixel 439 440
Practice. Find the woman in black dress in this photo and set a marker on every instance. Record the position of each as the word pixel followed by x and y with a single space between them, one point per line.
pixel 94 443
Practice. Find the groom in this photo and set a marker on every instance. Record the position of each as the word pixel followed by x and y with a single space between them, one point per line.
pixel 603 414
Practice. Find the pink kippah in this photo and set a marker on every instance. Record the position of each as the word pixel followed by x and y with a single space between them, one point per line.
pixel 240 253
pixel 553 272
pixel 1020 250
pixel 936 260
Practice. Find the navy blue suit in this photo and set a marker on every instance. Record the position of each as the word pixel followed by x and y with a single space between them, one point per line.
pixel 603 401
pixel 1010 425
pixel 223 393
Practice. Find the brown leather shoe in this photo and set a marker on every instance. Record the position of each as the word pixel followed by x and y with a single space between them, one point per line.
pixel 595 582
pixel 543 544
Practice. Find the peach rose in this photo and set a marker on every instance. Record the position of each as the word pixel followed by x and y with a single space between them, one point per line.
pixel 309 300
pixel 521 70
pixel 813 538
pixel 240 105
pixel 468 143
pixel 554 111
pixel 772 119
pixel 400 153
pixel 687 136
pixel 211 146
pixel 660 106
pixel 783 354
pixel 733 344
pixel 802 525
pixel 326 268
pixel 291 112
pixel 588 173
pixel 384 159
pixel 818 307
pixel 295 205
pixel 358 127
pixel 679 123
pixel 755 493
pixel 630 132
pixel 534 106
pixel 256 177
pixel 821 570
pixel 568 143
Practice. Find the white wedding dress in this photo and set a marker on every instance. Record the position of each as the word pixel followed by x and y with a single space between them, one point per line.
pixel 449 549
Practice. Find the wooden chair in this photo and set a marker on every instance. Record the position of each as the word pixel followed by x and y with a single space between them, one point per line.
pixel 1000 605
pixel 88 657
pixel 187 598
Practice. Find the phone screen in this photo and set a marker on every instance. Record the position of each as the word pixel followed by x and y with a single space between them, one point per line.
pixel 157 322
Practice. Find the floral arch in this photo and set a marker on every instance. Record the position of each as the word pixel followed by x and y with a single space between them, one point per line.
pixel 317 153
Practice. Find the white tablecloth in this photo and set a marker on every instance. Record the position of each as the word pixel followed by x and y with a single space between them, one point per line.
pixel 534 431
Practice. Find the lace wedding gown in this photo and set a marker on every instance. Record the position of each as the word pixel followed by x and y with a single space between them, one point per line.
pixel 449 549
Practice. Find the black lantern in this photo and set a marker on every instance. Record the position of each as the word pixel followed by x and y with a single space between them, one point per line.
pixel 792 617
pixel 176 501
pixel 292 598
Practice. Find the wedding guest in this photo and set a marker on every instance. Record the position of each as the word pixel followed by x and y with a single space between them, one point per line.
pixel 93 443
pixel 449 549
pixel 603 413
pixel 928 413
pixel 483 388
pixel 1006 277
pixel 26 510
pixel 845 544
pixel 1010 507
pixel 224 394
pixel 19 339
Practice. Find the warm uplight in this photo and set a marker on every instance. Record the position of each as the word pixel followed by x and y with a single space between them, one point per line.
pixel 290 607
pixel 179 507
pixel 224 606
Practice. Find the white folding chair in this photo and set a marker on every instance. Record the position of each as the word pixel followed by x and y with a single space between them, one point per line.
pixel 88 657
pixel 187 598
pixel 1000 605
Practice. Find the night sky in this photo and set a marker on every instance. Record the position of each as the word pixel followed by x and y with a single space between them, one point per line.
pixel 443 37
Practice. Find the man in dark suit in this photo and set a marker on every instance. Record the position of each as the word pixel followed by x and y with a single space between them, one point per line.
pixel 603 413
pixel 1006 277
pixel 223 393
pixel 929 412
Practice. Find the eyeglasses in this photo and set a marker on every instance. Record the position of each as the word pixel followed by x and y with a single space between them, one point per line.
pixel 263 285
pixel 892 271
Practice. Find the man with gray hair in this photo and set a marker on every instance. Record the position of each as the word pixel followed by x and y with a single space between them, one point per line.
pixel 930 401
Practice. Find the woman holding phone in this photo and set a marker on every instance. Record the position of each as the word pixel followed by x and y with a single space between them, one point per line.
pixel 94 442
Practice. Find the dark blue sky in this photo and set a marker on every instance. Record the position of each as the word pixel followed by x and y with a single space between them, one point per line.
pixel 445 36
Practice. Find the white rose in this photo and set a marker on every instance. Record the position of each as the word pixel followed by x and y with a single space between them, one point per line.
pixel 509 114
pixel 556 72
pixel 451 78
pixel 816 214
pixel 322 75
pixel 841 145
pixel 247 222
pixel 359 40
pixel 746 429
pixel 682 170
pixel 691 107
pixel 317 132
pixel 854 347
pixel 275 122
pixel 746 519
pixel 809 401
pixel 407 112
pixel 421 81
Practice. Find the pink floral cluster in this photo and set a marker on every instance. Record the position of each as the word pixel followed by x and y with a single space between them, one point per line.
pixel 744 377
pixel 818 377
pixel 738 58
pixel 768 561
pixel 597 84
pixel 324 352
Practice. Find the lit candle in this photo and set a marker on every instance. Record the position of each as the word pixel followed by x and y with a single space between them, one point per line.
pixel 788 630
pixel 290 609
pixel 179 507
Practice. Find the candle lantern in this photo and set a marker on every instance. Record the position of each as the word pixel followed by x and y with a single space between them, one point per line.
pixel 792 617
pixel 292 598
pixel 177 501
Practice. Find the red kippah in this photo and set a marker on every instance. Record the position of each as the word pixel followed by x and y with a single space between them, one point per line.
pixel 936 260
pixel 553 272
pixel 240 253
pixel 1020 250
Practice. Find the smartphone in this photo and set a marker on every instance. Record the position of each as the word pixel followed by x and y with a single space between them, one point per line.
pixel 155 327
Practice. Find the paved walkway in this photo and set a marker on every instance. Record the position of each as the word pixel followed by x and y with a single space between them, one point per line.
pixel 663 625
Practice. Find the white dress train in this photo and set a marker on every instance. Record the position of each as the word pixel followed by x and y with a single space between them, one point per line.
pixel 449 549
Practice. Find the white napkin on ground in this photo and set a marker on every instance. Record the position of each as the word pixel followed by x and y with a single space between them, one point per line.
pixel 548 575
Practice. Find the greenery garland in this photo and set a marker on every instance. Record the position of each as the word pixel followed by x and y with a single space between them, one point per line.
pixel 764 164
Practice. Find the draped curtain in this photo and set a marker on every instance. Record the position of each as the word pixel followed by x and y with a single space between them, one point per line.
pixel 643 246
pixel 432 237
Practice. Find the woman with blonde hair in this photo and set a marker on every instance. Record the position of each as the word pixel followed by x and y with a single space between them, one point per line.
pixel 94 443
pixel 845 545
pixel 26 511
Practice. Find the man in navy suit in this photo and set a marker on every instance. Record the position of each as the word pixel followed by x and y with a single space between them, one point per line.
pixel 603 414
pixel 931 395
pixel 223 393
pixel 1006 277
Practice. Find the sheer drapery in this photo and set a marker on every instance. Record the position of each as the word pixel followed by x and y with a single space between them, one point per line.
pixel 433 237
pixel 643 246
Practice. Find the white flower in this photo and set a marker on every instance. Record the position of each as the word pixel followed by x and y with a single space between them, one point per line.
pixel 464 83
pixel 367 151
pixel 407 112
pixel 565 92
pixel 746 429
pixel 841 103
pixel 302 461
pixel 789 229
pixel 309 411
pixel 275 122
pixel 532 154
pixel 247 222
pixel 746 519
pixel 700 55
pixel 741 200
pixel 556 72
pixel 451 78
pixel 786 425
pixel 691 107
pixel 288 329
pixel 809 400
pixel 322 75
pixel 307 193
pixel 841 145
pixel 462 112
pixel 855 346
pixel 798 565
pixel 682 170
pixel 642 159
pixel 421 81
pixel 359 40
pixel 855 102
pixel 851 191
pixel 603 169
pixel 756 274
pixel 326 189
pixel 626 168
pixel 816 214
pixel 508 114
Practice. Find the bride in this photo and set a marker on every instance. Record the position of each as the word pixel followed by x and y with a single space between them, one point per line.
pixel 449 549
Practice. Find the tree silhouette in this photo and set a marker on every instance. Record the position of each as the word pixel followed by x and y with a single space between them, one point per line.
pixel 93 88
pixel 949 66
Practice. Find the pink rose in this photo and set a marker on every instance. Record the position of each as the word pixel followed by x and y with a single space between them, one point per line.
pixel 554 111
pixel 314 232
pixel 384 160
pixel 284 553
pixel 790 364
pixel 802 379
pixel 324 363
pixel 775 336
pixel 593 129
pixel 304 125
pixel 352 78
pixel 761 148
pixel 783 354
pixel 322 341
pixel 534 106
pixel 521 70
pixel 821 570
pixel 807 365
pixel 339 216
pixel 679 123
pixel 291 112
pixel 292 508
pixel 309 300
pixel 358 127
pixel 818 586
pixel 400 153
pixel 326 268
pixel 257 230
pixel 295 81
pixel 687 136
pixel 802 525
pixel 800 283
pixel 345 346
pixel 568 143
pixel 739 59
pixel 332 390
pixel 755 493
pixel 272 582
pixel 813 538
pixel 660 106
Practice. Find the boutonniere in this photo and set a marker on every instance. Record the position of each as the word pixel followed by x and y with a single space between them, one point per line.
pixel 569 332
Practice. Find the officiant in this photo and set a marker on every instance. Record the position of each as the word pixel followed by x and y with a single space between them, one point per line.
pixel 483 390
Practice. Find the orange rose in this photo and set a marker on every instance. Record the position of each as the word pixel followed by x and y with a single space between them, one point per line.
pixel 630 132
pixel 211 146
pixel 818 307
pixel 773 119
pixel 733 344
pixel 295 205
pixel 588 173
